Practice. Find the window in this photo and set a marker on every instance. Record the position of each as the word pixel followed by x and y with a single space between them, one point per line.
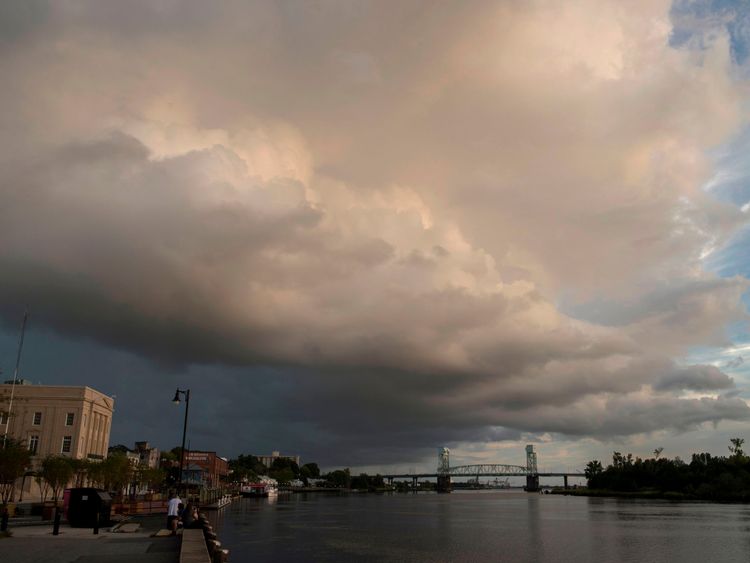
pixel 33 444
pixel 3 418
pixel 37 418
pixel 69 419
pixel 67 441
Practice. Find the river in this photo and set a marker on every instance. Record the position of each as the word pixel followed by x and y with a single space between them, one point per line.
pixel 505 525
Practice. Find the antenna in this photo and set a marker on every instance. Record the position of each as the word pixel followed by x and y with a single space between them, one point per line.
pixel 15 374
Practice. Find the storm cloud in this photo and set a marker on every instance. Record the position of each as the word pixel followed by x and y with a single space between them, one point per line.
pixel 443 223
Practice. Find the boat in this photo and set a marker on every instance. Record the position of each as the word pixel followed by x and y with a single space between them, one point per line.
pixel 263 488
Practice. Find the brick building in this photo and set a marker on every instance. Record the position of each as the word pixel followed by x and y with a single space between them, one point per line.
pixel 212 467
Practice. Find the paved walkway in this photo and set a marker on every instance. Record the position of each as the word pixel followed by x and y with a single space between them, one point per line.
pixel 32 544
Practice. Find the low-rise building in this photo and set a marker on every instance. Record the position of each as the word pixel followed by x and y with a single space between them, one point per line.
pixel 212 467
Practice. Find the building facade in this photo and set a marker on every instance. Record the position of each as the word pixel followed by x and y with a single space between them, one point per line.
pixel 57 420
pixel 211 466
pixel 148 456
pixel 268 460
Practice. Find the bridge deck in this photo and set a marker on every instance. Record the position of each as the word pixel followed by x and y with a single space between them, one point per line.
pixel 495 474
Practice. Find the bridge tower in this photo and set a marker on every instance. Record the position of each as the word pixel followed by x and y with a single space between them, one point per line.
pixel 532 472
pixel 443 471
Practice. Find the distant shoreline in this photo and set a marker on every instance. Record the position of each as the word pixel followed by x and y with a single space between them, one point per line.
pixel 645 494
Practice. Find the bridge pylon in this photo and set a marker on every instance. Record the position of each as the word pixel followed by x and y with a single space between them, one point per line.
pixel 443 471
pixel 532 472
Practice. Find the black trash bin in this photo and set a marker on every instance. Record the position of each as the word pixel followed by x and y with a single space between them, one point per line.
pixel 85 505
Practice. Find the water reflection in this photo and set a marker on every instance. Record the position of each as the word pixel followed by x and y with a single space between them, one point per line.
pixel 482 526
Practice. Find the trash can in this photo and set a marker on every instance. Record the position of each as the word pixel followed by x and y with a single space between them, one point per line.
pixel 86 505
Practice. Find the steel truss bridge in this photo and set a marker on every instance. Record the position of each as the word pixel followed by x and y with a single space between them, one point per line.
pixel 445 472
pixel 488 469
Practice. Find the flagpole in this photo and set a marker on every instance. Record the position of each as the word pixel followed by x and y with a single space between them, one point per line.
pixel 15 374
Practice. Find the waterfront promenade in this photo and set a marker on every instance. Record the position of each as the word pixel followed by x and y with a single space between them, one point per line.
pixel 32 544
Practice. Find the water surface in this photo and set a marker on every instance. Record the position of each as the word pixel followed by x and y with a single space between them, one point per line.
pixel 482 526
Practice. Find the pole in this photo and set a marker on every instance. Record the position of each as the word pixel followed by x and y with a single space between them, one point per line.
pixel 184 433
pixel 15 374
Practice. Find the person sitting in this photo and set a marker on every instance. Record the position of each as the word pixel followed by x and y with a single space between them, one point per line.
pixel 190 516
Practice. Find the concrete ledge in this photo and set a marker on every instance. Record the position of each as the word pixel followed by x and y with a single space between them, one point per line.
pixel 193 547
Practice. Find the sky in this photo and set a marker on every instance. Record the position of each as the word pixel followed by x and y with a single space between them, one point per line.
pixel 358 231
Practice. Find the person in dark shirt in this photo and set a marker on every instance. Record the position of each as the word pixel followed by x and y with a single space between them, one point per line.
pixel 189 516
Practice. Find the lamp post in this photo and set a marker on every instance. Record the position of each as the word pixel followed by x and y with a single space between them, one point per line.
pixel 176 401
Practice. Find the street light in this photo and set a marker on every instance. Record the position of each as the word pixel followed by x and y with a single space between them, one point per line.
pixel 176 401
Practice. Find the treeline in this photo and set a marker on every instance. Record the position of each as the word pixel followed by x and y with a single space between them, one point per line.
pixel 363 482
pixel 284 470
pixel 703 477
pixel 115 473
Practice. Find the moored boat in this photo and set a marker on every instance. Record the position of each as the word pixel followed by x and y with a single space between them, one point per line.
pixel 263 488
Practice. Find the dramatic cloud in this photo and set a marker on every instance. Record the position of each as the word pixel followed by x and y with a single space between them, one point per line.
pixel 697 378
pixel 487 215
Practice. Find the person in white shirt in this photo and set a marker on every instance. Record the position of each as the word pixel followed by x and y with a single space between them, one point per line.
pixel 173 512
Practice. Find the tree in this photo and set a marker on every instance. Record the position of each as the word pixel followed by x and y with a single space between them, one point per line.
pixel 81 470
pixel 310 470
pixel 57 471
pixel 283 475
pixel 285 463
pixel 657 452
pixel 149 477
pixel 115 473
pixel 593 468
pixel 362 482
pixel 15 458
pixel 43 486
pixel 736 447
pixel 247 467
pixel 339 478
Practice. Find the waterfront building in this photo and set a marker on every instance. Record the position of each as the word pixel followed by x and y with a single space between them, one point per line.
pixel 210 466
pixel 62 420
pixel 268 460
pixel 55 420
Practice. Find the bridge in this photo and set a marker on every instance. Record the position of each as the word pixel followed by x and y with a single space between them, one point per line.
pixel 445 472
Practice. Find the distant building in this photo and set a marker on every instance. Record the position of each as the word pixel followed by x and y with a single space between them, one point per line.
pixel 57 420
pixel 211 467
pixel 148 456
pixel 268 460
pixel 132 455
